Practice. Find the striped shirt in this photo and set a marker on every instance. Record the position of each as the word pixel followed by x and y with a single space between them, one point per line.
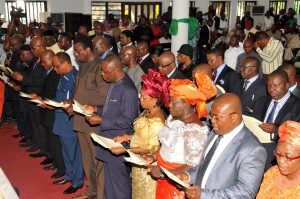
pixel 272 55
pixel 280 104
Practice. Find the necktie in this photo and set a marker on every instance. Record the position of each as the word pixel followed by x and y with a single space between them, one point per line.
pixel 140 61
pixel 206 161
pixel 214 75
pixel 36 62
pixel 270 117
pixel 246 82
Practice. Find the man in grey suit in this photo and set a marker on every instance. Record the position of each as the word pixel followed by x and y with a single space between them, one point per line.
pixel 233 161
pixel 291 71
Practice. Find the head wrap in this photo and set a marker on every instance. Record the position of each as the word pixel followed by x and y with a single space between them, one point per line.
pixel 192 94
pixel 156 85
pixel 290 132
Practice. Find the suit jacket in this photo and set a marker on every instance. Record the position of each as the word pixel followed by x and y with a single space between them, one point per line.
pixel 227 79
pixel 204 37
pixel 147 63
pixel 90 89
pixel 112 42
pixel 238 171
pixel 177 75
pixel 217 22
pixel 49 91
pixel 255 91
pixel 296 92
pixel 289 111
pixel 118 114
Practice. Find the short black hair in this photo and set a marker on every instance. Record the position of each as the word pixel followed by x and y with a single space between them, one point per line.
pixel 63 57
pixel 217 52
pixel 85 41
pixel 66 36
pixel 128 33
pixel 261 35
pixel 281 73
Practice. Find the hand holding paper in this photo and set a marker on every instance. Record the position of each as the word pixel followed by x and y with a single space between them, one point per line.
pixel 174 178
pixel 253 125
pixel 105 142
pixel 25 95
pixel 135 158
pixel 55 104
pixel 77 107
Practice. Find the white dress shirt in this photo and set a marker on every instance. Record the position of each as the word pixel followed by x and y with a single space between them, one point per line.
pixel 227 138
pixel 70 52
pixel 231 54
pixel 251 80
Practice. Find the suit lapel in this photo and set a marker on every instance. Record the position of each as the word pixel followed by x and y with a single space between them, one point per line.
pixel 230 148
pixel 222 74
pixel 284 109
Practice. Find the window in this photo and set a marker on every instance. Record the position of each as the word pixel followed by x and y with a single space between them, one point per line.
pixel 31 8
pixel 297 7
pixel 217 5
pixel 243 6
pixel 277 5
pixel 101 9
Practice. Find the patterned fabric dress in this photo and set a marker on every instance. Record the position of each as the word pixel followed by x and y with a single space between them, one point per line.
pixel 276 186
pixel 180 144
pixel 145 137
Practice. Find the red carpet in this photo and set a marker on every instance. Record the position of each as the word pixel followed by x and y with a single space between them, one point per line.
pixel 25 172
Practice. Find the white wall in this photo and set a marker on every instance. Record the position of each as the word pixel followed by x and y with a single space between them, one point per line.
pixel 2 7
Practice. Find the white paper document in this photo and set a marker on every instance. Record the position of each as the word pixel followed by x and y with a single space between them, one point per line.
pixel 135 158
pixel 174 178
pixel 78 108
pixel 9 70
pixel 35 101
pixel 252 124
pixel 55 104
pixel 221 89
pixel 25 95
pixel 5 80
pixel 105 142
pixel 6 189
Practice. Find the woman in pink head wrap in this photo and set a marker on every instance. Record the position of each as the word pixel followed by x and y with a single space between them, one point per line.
pixel 154 93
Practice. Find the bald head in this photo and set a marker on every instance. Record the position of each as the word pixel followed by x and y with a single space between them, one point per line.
pixel 38 46
pixel 46 59
pixel 204 69
pixel 130 49
pixel 226 113
pixel 101 45
pixel 111 69
pixel 39 40
pixel 166 62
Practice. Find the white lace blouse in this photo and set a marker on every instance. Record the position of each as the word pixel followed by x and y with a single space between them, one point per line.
pixel 182 143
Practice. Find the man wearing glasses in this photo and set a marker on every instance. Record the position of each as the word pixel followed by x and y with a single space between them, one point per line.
pixel 167 65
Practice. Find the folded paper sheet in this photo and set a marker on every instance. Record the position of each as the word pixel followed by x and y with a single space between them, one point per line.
pixel 174 178
pixel 56 104
pixel 105 142
pixel 78 108
pixel 252 124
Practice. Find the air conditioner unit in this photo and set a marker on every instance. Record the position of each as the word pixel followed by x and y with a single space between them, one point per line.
pixel 258 10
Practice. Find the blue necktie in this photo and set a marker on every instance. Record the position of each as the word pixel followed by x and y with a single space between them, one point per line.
pixel 270 117
pixel 201 171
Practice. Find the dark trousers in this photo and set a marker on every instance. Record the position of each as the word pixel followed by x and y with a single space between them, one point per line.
pixel 36 128
pixel 117 181
pixel 21 122
pixel 73 161
pixel 56 151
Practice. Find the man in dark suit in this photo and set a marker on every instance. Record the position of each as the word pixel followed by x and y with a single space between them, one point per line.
pixel 143 32
pixel 102 47
pixel 99 31
pixel 223 75
pixel 51 142
pixel 251 88
pixel 204 41
pixel 281 19
pixel 34 83
pixel 291 71
pixel 144 61
pixel 276 108
pixel 233 160
pixel 117 116
pixel 167 66
pixel 246 18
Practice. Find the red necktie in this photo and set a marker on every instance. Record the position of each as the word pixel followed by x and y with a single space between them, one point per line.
pixel 140 61
pixel 214 75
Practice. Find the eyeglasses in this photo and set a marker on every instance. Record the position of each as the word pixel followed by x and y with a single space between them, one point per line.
pixel 35 47
pixel 140 49
pixel 246 67
pixel 217 117
pixel 283 157
pixel 164 66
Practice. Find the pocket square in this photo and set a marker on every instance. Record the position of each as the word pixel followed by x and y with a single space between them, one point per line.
pixel 222 81
pixel 113 100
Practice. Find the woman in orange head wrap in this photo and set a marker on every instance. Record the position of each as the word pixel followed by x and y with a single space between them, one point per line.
pixel 183 138
pixel 282 181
